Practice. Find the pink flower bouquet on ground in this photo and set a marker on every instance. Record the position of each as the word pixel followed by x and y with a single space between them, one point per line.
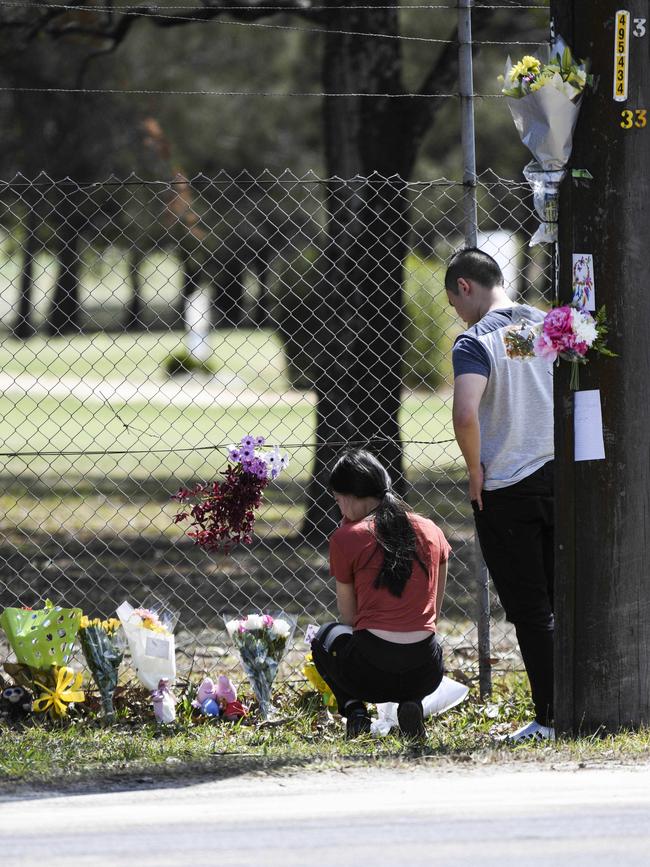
pixel 261 641
pixel 223 512
pixel 566 333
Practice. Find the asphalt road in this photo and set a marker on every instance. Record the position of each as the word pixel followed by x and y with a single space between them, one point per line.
pixel 375 817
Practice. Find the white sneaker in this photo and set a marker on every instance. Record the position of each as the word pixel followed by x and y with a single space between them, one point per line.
pixel 531 732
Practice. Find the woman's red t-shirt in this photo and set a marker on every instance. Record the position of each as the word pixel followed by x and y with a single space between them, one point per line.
pixel 355 558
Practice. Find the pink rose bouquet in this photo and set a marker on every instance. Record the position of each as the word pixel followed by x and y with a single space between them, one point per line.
pixel 261 640
pixel 567 333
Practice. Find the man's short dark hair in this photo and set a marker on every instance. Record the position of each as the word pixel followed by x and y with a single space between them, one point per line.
pixel 472 264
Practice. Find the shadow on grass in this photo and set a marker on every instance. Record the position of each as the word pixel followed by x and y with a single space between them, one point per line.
pixel 220 766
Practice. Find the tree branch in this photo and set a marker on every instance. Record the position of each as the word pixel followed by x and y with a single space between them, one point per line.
pixel 62 21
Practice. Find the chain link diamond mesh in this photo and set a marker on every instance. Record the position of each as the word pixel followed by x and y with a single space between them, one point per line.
pixel 147 325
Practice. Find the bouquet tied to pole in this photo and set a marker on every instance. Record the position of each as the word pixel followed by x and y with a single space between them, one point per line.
pixel 568 333
pixel 544 99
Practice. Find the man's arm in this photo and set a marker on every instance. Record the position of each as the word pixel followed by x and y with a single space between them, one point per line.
pixel 346 602
pixel 468 391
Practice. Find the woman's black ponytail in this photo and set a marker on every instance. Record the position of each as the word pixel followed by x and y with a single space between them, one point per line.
pixel 360 473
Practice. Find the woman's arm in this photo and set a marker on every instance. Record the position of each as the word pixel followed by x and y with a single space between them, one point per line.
pixel 346 601
pixel 440 592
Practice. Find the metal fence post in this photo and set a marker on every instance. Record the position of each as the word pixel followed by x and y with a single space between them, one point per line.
pixel 468 140
pixel 470 213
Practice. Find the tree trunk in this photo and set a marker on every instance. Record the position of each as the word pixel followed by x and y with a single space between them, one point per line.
pixel 64 317
pixel 133 319
pixel 379 345
pixel 24 326
pixel 359 366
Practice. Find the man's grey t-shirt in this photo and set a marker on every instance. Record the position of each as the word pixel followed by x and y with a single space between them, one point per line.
pixel 516 409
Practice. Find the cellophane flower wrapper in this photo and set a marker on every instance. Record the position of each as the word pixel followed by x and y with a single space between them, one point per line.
pixel 313 676
pixel 103 648
pixel 153 650
pixel 41 638
pixel 545 112
pixel 262 641
pixel 164 703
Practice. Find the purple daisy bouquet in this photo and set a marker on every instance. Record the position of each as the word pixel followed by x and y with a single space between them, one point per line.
pixel 222 512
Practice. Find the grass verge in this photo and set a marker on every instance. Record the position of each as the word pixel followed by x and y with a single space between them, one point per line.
pixel 85 755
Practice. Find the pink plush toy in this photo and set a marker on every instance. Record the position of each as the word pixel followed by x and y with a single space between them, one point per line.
pixel 221 697
pixel 225 689
pixel 205 691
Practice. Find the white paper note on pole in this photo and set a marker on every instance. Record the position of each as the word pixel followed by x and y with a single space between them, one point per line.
pixel 588 426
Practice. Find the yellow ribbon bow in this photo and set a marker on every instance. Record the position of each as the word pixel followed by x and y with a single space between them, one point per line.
pixel 67 689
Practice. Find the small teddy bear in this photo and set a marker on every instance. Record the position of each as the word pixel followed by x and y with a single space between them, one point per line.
pixel 15 703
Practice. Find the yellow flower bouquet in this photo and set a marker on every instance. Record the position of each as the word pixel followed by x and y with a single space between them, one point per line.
pixel 544 100
pixel 530 75
pixel 103 643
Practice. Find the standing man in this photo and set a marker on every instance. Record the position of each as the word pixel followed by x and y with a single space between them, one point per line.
pixel 503 422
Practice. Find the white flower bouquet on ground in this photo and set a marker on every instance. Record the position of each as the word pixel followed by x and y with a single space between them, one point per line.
pixel 153 653
pixel 262 640
pixel 449 694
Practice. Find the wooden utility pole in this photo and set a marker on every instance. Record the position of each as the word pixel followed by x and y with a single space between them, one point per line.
pixel 603 506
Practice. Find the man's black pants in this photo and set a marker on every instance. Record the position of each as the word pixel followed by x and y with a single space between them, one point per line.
pixel 515 531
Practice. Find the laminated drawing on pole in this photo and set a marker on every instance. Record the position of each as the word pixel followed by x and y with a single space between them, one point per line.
pixel 544 100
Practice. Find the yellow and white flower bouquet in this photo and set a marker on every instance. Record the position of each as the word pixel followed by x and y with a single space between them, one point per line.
pixel 544 100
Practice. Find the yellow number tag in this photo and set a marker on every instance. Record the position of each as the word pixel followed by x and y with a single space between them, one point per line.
pixel 637 117
pixel 621 56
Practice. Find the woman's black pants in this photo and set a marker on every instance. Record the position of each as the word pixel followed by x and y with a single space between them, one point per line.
pixel 359 666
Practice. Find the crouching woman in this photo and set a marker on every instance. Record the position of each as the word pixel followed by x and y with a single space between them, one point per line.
pixel 390 567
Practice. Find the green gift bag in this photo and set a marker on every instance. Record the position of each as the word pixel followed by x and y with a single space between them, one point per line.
pixel 41 638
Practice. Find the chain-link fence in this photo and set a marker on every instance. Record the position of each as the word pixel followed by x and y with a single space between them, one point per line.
pixel 148 324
